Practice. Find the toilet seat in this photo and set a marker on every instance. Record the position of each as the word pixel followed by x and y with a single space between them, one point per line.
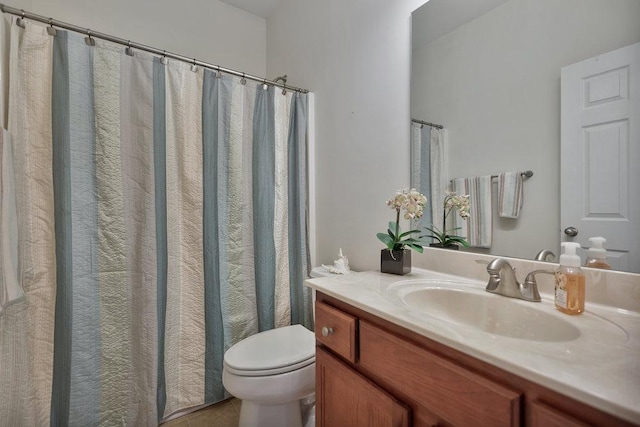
pixel 272 352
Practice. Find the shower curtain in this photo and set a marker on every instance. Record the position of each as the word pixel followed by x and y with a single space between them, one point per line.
pixel 427 173
pixel 162 218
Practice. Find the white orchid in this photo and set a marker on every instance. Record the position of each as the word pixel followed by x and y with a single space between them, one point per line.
pixel 460 202
pixel 452 201
pixel 413 203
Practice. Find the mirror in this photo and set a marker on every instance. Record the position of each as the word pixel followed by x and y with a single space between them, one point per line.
pixel 489 72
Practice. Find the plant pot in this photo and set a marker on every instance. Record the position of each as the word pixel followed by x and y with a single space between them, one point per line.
pixel 451 246
pixel 395 262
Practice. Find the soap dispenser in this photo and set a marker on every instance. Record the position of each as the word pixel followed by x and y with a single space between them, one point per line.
pixel 570 281
pixel 597 254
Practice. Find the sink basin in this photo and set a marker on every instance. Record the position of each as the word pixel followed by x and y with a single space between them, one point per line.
pixel 454 302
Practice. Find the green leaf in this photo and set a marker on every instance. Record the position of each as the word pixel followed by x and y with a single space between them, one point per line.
pixel 432 236
pixel 411 241
pixel 398 247
pixel 453 229
pixel 386 239
pixel 406 233
pixel 392 226
pixel 434 230
pixel 460 240
pixel 416 248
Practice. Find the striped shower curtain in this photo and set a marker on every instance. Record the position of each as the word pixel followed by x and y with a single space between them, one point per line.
pixel 162 218
pixel 427 173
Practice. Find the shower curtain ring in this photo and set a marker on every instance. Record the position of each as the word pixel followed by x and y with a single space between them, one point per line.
pixel 265 86
pixel 243 81
pixel 163 58
pixel 218 72
pixel 128 50
pixel 194 67
pixel 20 20
pixel 50 30
pixel 89 40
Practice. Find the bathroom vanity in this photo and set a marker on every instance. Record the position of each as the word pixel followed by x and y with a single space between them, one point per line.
pixel 381 361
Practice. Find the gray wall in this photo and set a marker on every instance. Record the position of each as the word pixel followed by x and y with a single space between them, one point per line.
pixel 355 56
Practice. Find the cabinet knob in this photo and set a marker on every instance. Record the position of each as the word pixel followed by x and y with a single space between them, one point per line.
pixel 326 331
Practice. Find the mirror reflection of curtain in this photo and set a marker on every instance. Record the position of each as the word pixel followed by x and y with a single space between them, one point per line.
pixel 427 172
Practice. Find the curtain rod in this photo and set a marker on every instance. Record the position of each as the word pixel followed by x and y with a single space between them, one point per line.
pixel 129 44
pixel 525 175
pixel 433 125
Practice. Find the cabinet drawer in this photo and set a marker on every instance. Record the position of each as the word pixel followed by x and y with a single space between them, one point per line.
pixel 454 394
pixel 336 330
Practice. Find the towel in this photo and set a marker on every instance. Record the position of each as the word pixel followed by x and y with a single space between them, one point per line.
pixel 438 183
pixel 479 225
pixel 509 194
pixel 10 288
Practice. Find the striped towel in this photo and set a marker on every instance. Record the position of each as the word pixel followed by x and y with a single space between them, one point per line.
pixel 10 288
pixel 479 225
pixel 509 194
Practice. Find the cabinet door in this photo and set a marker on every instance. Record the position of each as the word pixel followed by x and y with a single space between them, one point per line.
pixel 545 416
pixel 455 394
pixel 344 398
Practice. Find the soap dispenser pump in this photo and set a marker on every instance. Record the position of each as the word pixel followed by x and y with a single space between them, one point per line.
pixel 570 281
pixel 597 254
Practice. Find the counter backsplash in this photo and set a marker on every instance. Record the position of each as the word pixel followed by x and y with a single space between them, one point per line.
pixel 613 288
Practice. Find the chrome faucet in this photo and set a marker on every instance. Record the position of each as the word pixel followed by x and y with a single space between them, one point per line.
pixel 530 280
pixel 503 281
pixel 545 255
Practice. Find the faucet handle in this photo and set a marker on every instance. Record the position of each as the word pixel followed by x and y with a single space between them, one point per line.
pixel 531 277
pixel 530 286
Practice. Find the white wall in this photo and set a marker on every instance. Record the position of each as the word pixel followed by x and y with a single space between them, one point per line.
pixel 355 56
pixel 495 84
pixel 208 30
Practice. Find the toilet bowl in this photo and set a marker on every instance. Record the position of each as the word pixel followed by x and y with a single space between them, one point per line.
pixel 272 372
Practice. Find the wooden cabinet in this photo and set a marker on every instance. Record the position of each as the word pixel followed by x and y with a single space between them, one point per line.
pixel 336 330
pixel 371 372
pixel 346 398
pixel 547 416
pixel 453 393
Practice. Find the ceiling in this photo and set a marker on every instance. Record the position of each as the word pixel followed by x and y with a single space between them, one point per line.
pixel 262 8
pixel 438 17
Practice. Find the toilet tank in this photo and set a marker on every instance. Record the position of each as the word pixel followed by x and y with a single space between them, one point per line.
pixel 319 272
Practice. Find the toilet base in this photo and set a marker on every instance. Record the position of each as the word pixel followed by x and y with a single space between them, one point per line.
pixel 254 414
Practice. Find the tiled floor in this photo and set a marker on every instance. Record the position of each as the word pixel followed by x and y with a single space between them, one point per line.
pixel 223 414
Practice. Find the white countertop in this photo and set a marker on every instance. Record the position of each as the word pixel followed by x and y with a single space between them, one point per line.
pixel 600 368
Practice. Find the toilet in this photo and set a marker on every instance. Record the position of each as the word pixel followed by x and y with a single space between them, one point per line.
pixel 274 374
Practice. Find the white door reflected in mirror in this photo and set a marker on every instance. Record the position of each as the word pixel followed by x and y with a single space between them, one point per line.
pixel 600 153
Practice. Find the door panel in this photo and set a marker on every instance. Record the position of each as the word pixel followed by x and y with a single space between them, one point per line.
pixel 600 153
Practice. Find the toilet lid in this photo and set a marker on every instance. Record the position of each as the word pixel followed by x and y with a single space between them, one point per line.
pixel 270 352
